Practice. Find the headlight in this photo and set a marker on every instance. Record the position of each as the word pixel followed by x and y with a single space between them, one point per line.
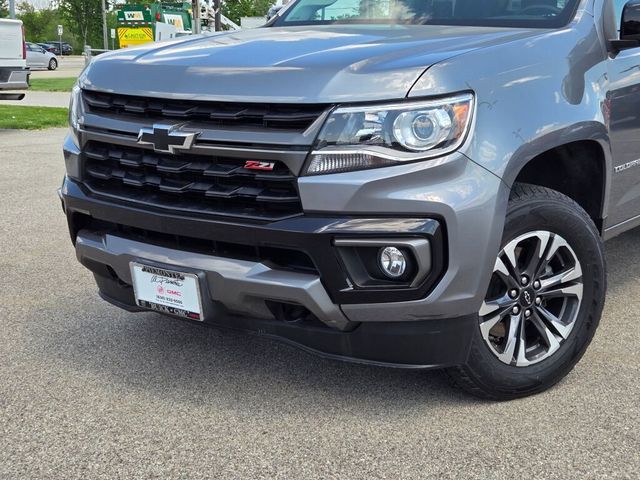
pixel 75 111
pixel 357 138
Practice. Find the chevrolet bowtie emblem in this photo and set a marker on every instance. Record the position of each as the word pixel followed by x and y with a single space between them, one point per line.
pixel 166 139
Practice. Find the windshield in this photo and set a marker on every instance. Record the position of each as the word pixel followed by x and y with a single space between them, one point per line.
pixel 499 13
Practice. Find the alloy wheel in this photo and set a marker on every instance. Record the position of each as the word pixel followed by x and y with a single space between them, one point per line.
pixel 533 299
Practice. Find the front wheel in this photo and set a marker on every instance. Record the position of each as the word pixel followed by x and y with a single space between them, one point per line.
pixel 53 64
pixel 544 300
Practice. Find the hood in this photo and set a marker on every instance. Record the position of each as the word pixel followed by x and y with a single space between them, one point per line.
pixel 323 64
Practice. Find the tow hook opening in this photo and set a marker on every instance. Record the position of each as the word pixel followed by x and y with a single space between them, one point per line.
pixel 289 312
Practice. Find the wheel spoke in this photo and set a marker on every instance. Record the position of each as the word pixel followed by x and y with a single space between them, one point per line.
pixel 488 324
pixel 546 334
pixel 505 275
pixel 562 329
pixel 490 306
pixel 492 312
pixel 557 242
pixel 521 360
pixel 569 275
pixel 510 261
pixel 537 256
pixel 574 290
pixel 511 339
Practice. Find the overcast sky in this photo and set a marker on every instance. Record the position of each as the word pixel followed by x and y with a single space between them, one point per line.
pixel 36 3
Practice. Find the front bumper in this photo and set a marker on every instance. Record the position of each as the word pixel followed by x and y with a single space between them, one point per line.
pixel 235 296
pixel 249 295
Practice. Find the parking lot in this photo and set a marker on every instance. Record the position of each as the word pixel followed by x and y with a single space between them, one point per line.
pixel 68 66
pixel 90 391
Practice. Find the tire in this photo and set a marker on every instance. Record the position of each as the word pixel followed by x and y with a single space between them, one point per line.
pixel 503 366
pixel 53 64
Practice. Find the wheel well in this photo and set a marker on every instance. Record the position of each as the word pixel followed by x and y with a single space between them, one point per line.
pixel 576 170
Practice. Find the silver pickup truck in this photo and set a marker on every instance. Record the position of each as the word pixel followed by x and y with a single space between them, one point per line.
pixel 14 73
pixel 411 183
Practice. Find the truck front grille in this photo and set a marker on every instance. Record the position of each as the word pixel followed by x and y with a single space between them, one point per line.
pixel 191 183
pixel 215 114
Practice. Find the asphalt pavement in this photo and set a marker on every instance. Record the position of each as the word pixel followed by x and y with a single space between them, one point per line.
pixel 90 391
pixel 68 66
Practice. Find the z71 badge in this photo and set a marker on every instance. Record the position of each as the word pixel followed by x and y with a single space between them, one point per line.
pixel 256 165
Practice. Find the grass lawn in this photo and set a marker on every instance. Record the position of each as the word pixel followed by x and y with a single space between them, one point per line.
pixel 52 84
pixel 32 118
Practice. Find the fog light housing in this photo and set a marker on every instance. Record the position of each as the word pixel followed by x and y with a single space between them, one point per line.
pixel 392 261
pixel 377 262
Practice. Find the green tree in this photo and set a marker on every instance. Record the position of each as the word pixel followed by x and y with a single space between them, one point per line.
pixel 84 18
pixel 38 24
pixel 235 9
pixel 4 8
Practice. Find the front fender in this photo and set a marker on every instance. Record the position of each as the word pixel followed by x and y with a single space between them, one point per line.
pixel 532 95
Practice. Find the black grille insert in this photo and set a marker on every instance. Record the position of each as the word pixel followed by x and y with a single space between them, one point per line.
pixel 274 257
pixel 274 116
pixel 192 183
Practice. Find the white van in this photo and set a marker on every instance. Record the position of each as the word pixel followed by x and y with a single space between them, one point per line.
pixel 14 73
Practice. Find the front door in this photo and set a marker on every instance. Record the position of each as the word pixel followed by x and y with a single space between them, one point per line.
pixel 624 131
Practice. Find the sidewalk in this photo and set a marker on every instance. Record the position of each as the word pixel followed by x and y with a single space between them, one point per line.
pixel 41 99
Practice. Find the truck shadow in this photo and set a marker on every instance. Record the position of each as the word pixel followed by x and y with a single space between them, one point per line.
pixel 199 365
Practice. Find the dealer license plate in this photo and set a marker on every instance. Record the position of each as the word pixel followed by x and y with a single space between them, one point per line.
pixel 167 291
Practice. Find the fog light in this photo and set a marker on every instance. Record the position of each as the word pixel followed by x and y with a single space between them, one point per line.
pixel 392 262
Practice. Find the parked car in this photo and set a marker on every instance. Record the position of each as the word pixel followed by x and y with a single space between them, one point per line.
pixel 50 48
pixel 38 57
pixel 422 184
pixel 14 73
pixel 66 48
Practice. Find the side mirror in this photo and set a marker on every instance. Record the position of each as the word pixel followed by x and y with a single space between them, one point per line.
pixel 629 27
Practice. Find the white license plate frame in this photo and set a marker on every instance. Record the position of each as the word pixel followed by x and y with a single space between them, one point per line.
pixel 167 290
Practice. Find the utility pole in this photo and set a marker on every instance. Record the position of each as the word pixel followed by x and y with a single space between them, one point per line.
pixel 12 8
pixel 196 28
pixel 104 26
pixel 218 22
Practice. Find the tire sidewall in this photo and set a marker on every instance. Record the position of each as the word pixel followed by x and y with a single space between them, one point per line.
pixel 53 64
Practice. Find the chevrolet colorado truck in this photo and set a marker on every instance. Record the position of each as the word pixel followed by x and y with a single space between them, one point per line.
pixel 14 73
pixel 409 183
